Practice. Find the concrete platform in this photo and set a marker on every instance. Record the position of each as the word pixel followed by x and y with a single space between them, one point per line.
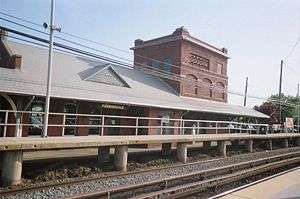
pixel 283 186
pixel 54 143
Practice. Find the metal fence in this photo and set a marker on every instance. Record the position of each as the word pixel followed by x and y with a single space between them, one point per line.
pixel 137 125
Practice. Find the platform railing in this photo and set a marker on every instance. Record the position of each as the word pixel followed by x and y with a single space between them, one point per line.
pixel 161 125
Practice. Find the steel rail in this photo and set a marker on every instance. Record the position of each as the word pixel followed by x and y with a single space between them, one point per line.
pixel 118 175
pixel 130 190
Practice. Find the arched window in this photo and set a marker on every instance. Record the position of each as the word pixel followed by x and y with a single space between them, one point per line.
pixel 36 119
pixel 70 119
pixel 207 87
pixel 193 87
pixel 221 92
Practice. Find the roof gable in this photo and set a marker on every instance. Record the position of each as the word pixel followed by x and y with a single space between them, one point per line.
pixel 103 74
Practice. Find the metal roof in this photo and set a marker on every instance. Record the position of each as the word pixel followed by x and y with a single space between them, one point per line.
pixel 68 82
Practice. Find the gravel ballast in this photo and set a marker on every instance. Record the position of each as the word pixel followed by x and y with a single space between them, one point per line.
pixel 96 185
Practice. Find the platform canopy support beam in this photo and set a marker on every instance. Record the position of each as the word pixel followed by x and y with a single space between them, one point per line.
pixel 11 167
pixel 181 152
pixel 166 149
pixel 121 156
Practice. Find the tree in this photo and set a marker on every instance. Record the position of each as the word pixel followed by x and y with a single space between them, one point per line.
pixel 271 107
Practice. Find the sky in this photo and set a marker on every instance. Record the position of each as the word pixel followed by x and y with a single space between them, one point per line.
pixel 257 33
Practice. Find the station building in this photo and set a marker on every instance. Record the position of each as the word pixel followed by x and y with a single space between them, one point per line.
pixel 175 76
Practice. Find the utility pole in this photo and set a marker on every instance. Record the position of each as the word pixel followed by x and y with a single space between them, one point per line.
pixel 49 72
pixel 279 94
pixel 298 106
pixel 246 90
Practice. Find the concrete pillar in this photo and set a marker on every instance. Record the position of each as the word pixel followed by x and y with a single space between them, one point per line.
pixel 166 149
pixel 121 155
pixel 286 143
pixel 103 154
pixel 206 144
pixel 298 141
pixel 12 167
pixel 249 145
pixel 270 144
pixel 222 147
pixel 181 152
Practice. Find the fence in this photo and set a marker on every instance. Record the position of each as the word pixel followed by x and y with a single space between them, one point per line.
pixel 138 125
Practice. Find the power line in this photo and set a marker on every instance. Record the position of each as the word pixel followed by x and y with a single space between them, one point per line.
pixel 229 92
pixel 292 49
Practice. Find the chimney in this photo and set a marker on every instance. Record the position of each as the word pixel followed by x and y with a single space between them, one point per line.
pixel 181 31
pixel 138 42
pixel 224 50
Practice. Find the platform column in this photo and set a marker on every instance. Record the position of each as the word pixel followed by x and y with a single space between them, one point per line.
pixel 181 152
pixel 121 155
pixel 285 142
pixel 270 144
pixel 298 141
pixel 222 147
pixel 12 167
pixel 103 154
pixel 249 145
pixel 166 149
pixel 206 144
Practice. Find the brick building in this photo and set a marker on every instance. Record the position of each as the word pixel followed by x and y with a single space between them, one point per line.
pixel 190 58
pixel 85 85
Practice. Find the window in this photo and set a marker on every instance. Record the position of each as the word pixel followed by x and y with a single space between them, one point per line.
pixel 155 64
pixel 221 93
pixel 36 119
pixel 168 65
pixel 70 119
pixel 199 61
pixel 208 87
pixel 94 121
pixel 219 68
pixel 192 87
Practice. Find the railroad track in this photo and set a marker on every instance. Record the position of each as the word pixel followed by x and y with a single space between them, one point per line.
pixel 185 185
pixel 157 185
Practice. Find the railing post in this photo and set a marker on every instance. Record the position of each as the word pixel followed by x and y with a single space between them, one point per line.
pixel 64 122
pixel 161 130
pixel 102 125
pixel 183 125
pixel 241 126
pixel 5 122
pixel 136 126
pixel 198 126
pixel 229 127
pixel 216 127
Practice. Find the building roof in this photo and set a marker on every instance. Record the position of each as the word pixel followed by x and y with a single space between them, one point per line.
pixel 180 34
pixel 69 81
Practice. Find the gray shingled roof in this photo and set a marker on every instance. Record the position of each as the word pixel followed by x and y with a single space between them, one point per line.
pixel 68 82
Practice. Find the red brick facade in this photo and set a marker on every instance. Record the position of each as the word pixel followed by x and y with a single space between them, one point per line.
pixel 204 66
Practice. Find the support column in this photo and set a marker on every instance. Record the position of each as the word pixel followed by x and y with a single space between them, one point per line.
pixel 286 143
pixel 166 149
pixel 121 155
pixel 298 141
pixel 249 145
pixel 181 152
pixel 12 167
pixel 103 154
pixel 206 144
pixel 222 147
pixel 270 144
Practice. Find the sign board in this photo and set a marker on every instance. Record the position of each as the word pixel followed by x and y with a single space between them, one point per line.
pixel 289 122
pixel 113 106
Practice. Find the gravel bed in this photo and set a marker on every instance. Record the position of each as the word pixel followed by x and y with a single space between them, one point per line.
pixel 68 190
